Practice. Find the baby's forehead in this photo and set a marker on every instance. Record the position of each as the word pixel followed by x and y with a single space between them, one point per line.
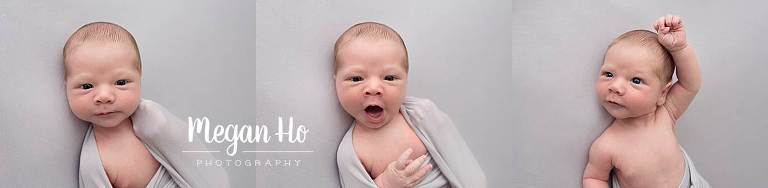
pixel 85 53
pixel 114 49
pixel 632 58
pixel 370 41
pixel 633 67
pixel 93 44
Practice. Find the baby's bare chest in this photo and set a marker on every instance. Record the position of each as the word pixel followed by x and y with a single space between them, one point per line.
pixel 648 161
pixel 127 162
pixel 376 154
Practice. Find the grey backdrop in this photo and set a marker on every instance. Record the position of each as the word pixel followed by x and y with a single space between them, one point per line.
pixel 517 77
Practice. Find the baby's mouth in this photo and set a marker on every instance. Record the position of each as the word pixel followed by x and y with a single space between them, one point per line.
pixel 102 114
pixel 614 103
pixel 374 112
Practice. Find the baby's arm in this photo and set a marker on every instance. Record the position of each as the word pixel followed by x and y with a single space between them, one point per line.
pixel 672 36
pixel 598 170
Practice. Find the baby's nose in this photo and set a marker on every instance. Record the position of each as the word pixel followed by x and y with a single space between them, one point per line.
pixel 616 87
pixel 372 92
pixel 104 96
pixel 373 89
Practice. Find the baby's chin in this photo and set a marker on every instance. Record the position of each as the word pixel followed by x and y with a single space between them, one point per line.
pixel 624 114
pixel 365 123
pixel 616 113
pixel 370 125
pixel 109 123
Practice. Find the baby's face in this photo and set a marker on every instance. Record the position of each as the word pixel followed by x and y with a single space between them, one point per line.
pixel 103 82
pixel 370 80
pixel 628 85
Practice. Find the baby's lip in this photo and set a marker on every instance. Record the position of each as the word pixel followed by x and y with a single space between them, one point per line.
pixel 374 113
pixel 104 113
pixel 373 107
pixel 365 105
pixel 614 102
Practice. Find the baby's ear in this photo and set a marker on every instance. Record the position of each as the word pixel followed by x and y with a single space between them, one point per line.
pixel 663 96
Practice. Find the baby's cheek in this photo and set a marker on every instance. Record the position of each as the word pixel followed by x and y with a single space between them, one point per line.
pixel 349 103
pixel 81 112
pixel 648 103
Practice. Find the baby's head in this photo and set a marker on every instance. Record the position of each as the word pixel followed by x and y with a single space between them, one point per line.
pixel 371 71
pixel 102 73
pixel 635 76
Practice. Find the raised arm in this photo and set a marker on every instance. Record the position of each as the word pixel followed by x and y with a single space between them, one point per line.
pixel 672 36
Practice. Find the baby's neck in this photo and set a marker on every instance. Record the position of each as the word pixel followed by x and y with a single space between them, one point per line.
pixel 126 126
pixel 397 120
pixel 639 121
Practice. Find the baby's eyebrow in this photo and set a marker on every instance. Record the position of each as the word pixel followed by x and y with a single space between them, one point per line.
pixel 122 72
pixel 80 77
pixel 641 74
pixel 353 69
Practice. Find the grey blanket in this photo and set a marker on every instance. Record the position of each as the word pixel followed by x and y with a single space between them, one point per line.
pixel 164 136
pixel 454 162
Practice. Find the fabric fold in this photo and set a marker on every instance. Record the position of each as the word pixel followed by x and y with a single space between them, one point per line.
pixel 454 162
pixel 163 134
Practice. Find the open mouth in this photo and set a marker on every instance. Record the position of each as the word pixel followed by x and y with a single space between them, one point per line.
pixel 374 112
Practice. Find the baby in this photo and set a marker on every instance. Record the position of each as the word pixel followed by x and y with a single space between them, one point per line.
pixel 395 141
pixel 636 88
pixel 127 142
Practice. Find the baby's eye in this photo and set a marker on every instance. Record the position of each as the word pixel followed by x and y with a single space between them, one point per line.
pixel 86 86
pixel 608 74
pixel 121 82
pixel 636 80
pixel 355 78
pixel 390 78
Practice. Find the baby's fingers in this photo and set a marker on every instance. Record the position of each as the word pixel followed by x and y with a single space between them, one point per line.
pixel 421 174
pixel 407 162
pixel 403 160
pixel 416 165
pixel 659 24
pixel 677 23
pixel 668 20
pixel 404 156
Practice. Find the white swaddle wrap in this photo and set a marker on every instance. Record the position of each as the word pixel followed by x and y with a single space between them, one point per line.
pixel 691 177
pixel 453 161
pixel 164 135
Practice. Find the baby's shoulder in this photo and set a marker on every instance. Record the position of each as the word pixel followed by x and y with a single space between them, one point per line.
pixel 149 112
pixel 419 104
pixel 603 142
pixel 152 120
pixel 608 141
pixel 421 108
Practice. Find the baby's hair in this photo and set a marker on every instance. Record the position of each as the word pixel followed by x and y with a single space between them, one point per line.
pixel 368 30
pixel 101 32
pixel 650 41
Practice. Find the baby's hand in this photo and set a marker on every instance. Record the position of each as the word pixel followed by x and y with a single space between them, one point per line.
pixel 671 33
pixel 404 172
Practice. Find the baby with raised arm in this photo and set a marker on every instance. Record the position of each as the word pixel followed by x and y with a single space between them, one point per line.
pixel 394 141
pixel 635 87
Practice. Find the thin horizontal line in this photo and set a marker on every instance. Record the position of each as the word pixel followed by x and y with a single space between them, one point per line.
pixel 200 151
pixel 278 151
